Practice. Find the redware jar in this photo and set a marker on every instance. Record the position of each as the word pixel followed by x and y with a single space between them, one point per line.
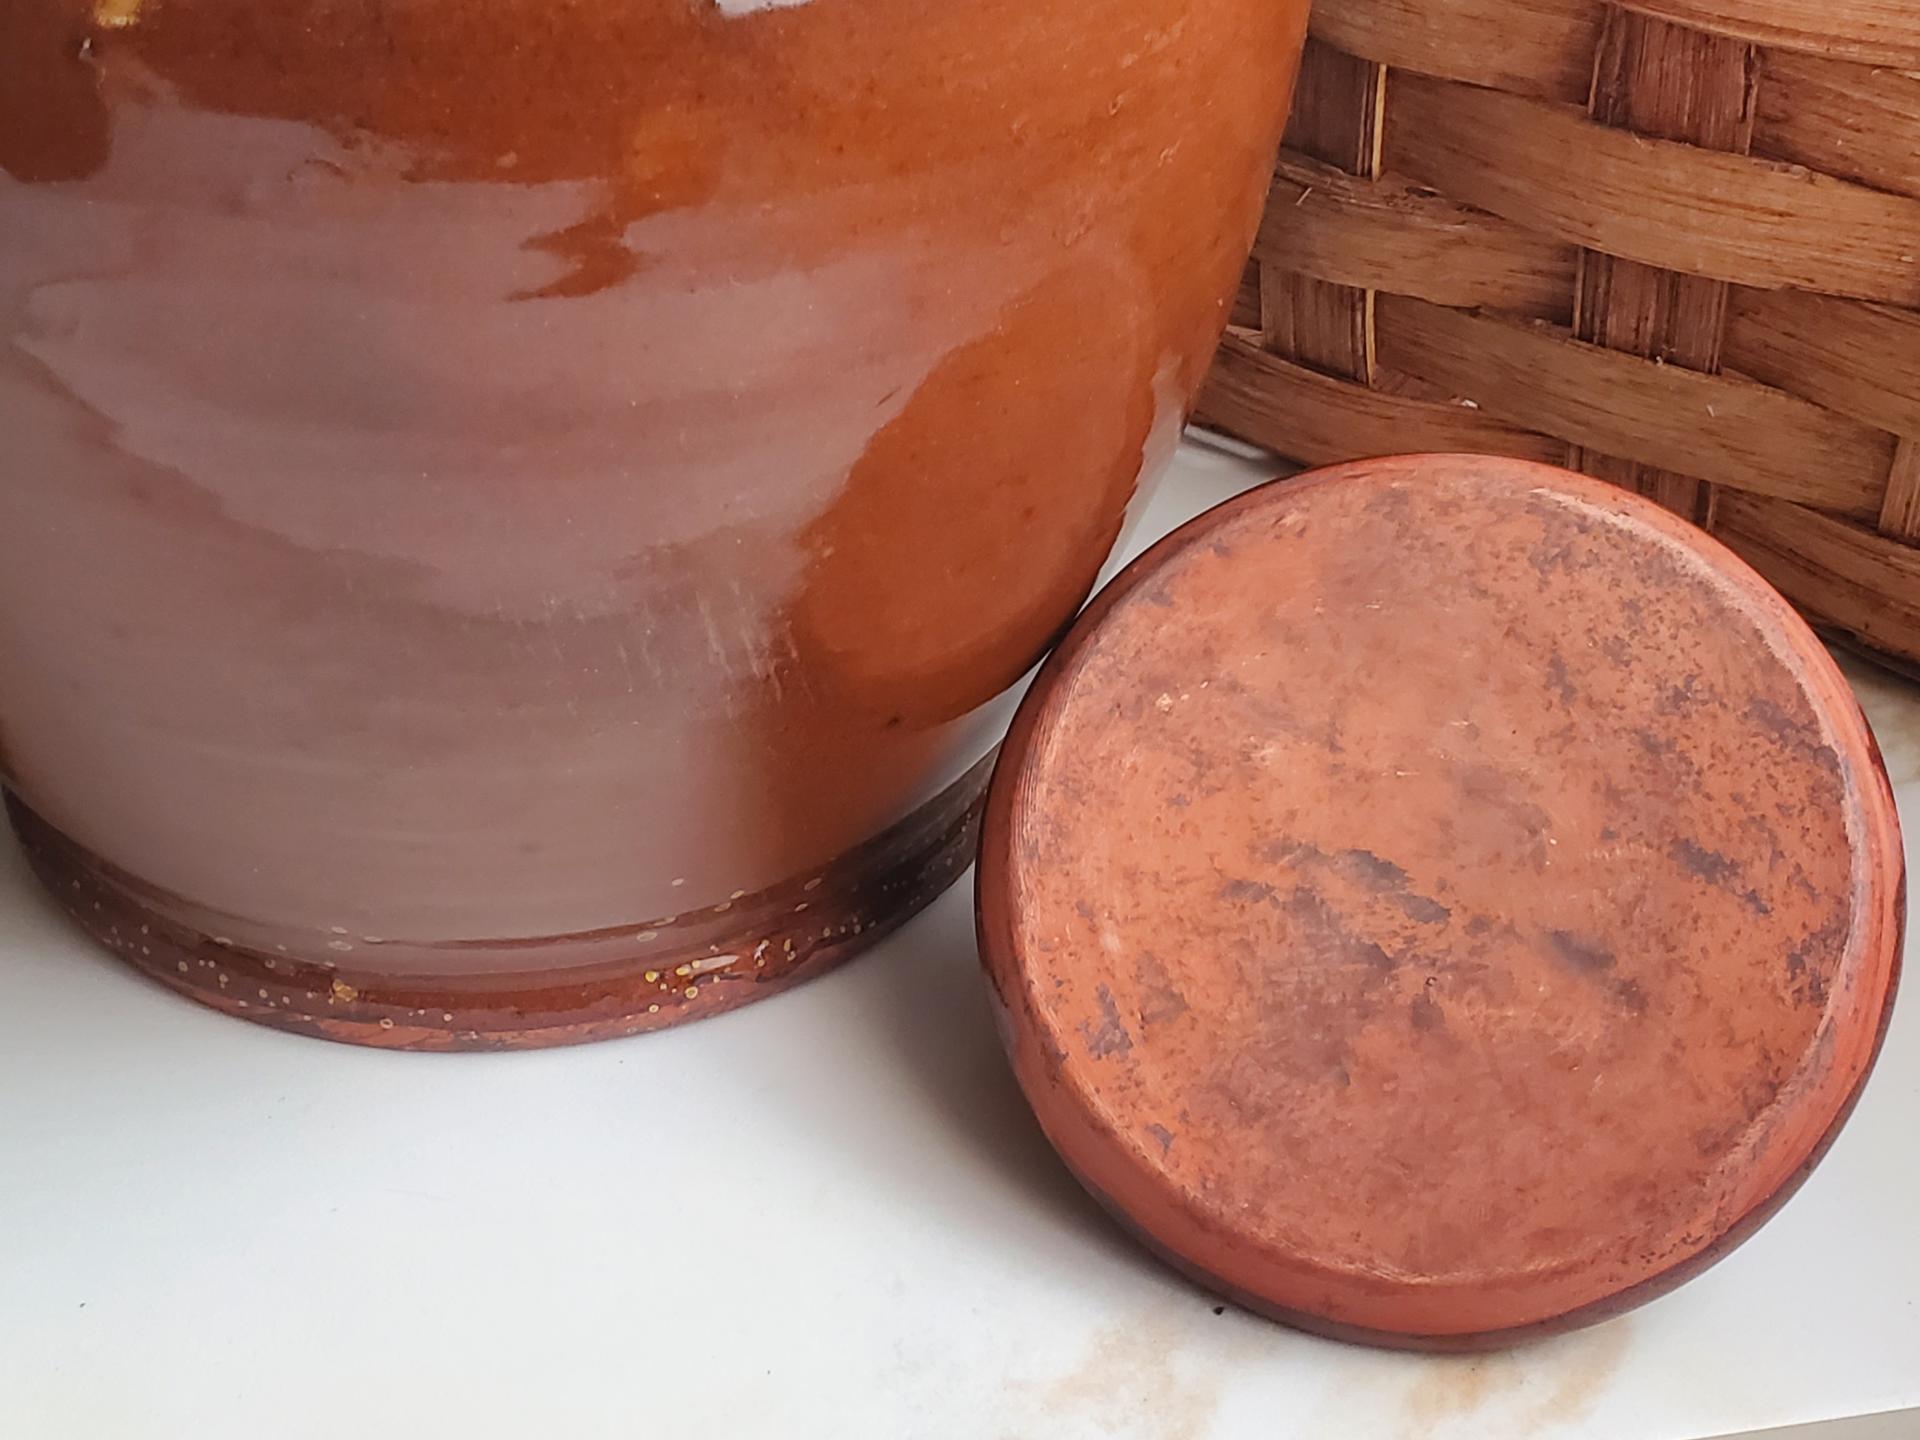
pixel 517 514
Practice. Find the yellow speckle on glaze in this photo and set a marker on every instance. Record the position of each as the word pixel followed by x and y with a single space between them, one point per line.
pixel 116 14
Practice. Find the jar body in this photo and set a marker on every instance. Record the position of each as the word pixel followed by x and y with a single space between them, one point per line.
pixel 489 482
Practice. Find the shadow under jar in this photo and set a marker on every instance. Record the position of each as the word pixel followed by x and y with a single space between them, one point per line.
pixel 518 520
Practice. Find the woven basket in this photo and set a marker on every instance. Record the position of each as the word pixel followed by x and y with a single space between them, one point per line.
pixel 1672 243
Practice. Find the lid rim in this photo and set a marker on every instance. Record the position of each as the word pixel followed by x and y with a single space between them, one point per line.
pixel 1080 1125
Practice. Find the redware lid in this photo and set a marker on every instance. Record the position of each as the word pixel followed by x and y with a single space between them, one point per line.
pixel 1441 900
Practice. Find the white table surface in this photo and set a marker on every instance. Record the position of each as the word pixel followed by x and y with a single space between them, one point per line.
pixel 825 1216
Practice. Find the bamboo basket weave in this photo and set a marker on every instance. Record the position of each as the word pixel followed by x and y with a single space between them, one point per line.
pixel 1671 243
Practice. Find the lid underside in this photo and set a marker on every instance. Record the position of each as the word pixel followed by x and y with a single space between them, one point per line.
pixel 1439 899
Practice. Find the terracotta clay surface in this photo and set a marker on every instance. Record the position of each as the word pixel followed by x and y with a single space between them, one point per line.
pixel 479 474
pixel 1441 900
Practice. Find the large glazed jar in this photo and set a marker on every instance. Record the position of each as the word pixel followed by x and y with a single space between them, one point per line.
pixel 518 517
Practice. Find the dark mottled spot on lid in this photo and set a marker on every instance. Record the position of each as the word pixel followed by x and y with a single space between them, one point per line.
pixel 1630 996
pixel 1581 954
pixel 1374 870
pixel 1679 699
pixel 1247 891
pixel 1163 1135
pixel 1422 908
pixel 1110 1037
pixel 1329 936
pixel 1709 865
pixel 1549 555
pixel 1655 744
pixel 1792 732
pixel 1778 723
pixel 1425 1014
pixel 1558 680
pixel 1160 998
pixel 1389 500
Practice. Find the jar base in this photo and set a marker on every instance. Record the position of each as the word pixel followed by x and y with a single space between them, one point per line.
pixel 563 990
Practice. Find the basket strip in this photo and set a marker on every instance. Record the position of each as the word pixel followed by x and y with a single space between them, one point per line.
pixel 1388 234
pixel 1852 121
pixel 1527 47
pixel 1662 203
pixel 1862 360
pixel 1669 83
pixel 1337 106
pixel 1313 319
pixel 1319 420
pixel 1718 428
pixel 1244 314
pixel 1869 32
pixel 1317 324
pixel 1900 511
pixel 1846 577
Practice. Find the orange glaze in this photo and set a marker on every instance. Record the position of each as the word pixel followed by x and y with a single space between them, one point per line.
pixel 490 470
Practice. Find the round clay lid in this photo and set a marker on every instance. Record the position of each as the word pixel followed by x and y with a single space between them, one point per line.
pixel 1441 900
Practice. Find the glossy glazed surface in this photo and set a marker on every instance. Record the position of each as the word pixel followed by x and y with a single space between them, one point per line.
pixel 483 469
pixel 1441 900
